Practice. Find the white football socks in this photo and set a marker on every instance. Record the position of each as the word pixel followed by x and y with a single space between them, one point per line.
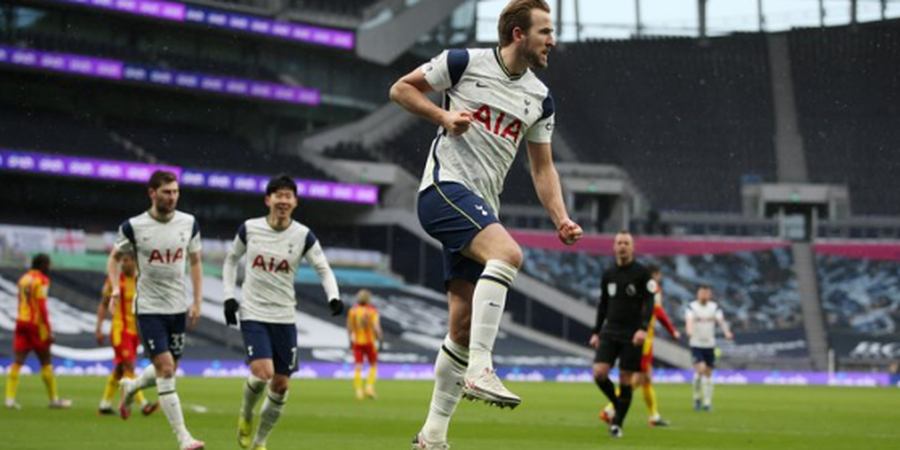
pixel 147 378
pixel 254 388
pixel 488 303
pixel 707 390
pixel 171 405
pixel 449 372
pixel 696 385
pixel 268 416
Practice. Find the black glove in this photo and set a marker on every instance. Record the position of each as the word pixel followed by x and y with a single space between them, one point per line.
pixel 231 310
pixel 337 306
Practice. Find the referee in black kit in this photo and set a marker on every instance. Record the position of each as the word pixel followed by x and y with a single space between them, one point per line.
pixel 626 307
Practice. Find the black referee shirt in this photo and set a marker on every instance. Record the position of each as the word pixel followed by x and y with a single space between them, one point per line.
pixel 626 301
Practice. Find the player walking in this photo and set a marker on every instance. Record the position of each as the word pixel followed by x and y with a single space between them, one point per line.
pixel 33 333
pixel 123 336
pixel 644 378
pixel 162 238
pixel 700 323
pixel 364 333
pixel 274 246
pixel 492 102
pixel 623 318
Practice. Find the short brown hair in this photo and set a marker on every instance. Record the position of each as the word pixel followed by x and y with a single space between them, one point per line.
pixel 517 14
pixel 161 177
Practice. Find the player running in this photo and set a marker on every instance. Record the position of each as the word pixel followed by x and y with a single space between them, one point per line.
pixel 364 333
pixel 274 246
pixel 623 318
pixel 644 378
pixel 492 102
pixel 123 336
pixel 162 238
pixel 33 333
pixel 700 324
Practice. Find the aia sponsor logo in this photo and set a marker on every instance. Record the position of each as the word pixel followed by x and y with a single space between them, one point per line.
pixel 497 123
pixel 270 264
pixel 169 257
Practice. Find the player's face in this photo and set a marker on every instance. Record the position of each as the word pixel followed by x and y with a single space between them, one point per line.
pixel 657 276
pixel 539 40
pixel 624 247
pixel 165 197
pixel 281 203
pixel 128 266
pixel 704 295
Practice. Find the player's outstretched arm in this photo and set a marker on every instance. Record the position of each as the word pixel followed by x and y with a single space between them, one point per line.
pixel 113 275
pixel 549 191
pixel 720 318
pixel 316 258
pixel 196 271
pixel 102 309
pixel 229 277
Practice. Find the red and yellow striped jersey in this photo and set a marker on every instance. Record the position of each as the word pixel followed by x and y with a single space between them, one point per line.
pixel 33 288
pixel 123 314
pixel 361 323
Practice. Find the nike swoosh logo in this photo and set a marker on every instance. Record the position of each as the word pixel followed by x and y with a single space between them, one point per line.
pixel 480 84
pixel 495 305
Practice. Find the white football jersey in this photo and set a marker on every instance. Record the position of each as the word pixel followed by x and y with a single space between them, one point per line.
pixel 704 325
pixel 506 109
pixel 273 256
pixel 162 249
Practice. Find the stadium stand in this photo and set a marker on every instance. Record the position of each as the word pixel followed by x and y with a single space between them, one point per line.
pixel 54 132
pixel 350 150
pixel 757 290
pixel 696 117
pixel 345 7
pixel 848 104
pixel 860 295
pixel 212 150
pixel 155 54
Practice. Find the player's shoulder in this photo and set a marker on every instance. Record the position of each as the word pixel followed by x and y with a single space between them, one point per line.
pixel 183 217
pixel 535 84
pixel 256 224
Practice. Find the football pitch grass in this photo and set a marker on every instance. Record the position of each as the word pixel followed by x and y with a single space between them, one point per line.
pixel 323 414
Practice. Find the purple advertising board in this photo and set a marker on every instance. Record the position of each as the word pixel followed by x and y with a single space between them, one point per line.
pixel 392 371
pixel 139 173
pixel 117 70
pixel 226 20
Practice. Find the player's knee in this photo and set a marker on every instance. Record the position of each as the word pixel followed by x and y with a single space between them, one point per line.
pixel 513 256
pixel 601 373
pixel 279 385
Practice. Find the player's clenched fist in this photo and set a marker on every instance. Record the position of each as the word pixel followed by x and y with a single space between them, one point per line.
pixel 457 122
pixel 569 232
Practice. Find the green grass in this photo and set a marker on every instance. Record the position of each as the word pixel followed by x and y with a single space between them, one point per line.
pixel 324 415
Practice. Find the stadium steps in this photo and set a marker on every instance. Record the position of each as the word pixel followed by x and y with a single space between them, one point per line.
pixel 789 153
pixel 813 317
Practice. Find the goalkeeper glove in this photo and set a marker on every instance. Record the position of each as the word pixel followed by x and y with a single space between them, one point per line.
pixel 231 310
pixel 337 306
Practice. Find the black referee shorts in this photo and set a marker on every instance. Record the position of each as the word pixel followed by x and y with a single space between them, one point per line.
pixel 625 351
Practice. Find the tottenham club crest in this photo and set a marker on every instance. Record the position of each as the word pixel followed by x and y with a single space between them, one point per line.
pixel 631 290
pixel 611 289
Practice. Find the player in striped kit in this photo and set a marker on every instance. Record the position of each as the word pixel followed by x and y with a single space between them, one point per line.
pixel 364 333
pixel 274 246
pixel 123 336
pixel 700 320
pixel 33 333
pixel 163 239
